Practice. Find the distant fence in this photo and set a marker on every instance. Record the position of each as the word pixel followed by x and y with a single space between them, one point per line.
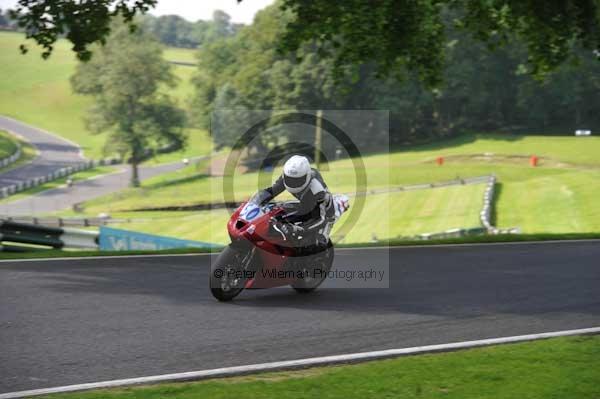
pixel 486 212
pixel 57 174
pixel 453 233
pixel 184 63
pixel 488 196
pixel 11 158
pixel 426 186
pixel 68 222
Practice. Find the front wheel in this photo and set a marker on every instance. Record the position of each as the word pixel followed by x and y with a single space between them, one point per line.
pixel 314 271
pixel 227 278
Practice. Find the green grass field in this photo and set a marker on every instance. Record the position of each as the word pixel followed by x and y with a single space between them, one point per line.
pixel 552 369
pixel 39 93
pixel 384 217
pixel 180 55
pixel 556 197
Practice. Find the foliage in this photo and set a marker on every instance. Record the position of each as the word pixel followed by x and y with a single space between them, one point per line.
pixel 482 89
pixel 395 36
pixel 399 35
pixel 176 31
pixel 81 22
pixel 124 80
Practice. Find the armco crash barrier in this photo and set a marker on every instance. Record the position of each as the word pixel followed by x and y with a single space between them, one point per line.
pixel 18 234
pixel 124 240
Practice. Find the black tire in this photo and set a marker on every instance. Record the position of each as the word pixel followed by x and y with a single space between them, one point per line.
pixel 222 284
pixel 322 261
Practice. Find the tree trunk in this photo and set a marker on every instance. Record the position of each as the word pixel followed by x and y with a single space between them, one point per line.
pixel 135 179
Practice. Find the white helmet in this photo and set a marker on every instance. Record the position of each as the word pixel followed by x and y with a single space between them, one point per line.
pixel 296 174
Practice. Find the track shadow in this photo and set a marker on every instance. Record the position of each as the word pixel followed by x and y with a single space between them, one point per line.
pixel 458 282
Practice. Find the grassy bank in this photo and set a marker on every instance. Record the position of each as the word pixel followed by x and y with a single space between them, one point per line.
pixel 8 144
pixel 384 216
pixel 552 198
pixel 39 93
pixel 557 368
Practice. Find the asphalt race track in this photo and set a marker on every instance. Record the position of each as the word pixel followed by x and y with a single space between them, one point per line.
pixel 75 321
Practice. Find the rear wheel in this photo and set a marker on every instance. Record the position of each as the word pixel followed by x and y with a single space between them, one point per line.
pixel 315 270
pixel 227 278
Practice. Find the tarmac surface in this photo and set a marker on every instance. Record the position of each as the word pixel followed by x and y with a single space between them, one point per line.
pixel 85 320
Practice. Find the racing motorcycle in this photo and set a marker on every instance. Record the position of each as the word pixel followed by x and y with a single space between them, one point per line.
pixel 264 253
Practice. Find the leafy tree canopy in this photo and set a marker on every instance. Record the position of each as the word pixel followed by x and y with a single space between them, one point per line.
pixel 176 31
pixel 124 78
pixel 482 90
pixel 395 34
pixel 82 22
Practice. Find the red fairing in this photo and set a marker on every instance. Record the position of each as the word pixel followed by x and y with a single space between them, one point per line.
pixel 272 249
pixel 264 252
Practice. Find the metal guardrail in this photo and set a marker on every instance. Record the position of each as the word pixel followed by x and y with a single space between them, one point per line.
pixel 484 215
pixel 488 196
pixel 11 158
pixel 426 186
pixel 486 212
pixel 29 236
pixel 453 233
pixel 67 222
pixel 57 174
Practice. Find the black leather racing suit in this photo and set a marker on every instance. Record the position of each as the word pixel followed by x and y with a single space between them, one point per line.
pixel 315 212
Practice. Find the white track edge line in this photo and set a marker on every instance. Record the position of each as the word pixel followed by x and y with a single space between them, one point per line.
pixel 299 363
pixel 392 248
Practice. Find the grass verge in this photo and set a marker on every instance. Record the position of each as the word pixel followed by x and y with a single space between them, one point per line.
pixel 555 368
pixel 8 144
pixel 507 238
pixel 28 152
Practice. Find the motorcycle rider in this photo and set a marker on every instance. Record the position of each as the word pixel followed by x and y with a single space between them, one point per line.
pixel 313 217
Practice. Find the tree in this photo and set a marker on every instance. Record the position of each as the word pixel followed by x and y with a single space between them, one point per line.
pixel 174 30
pixel 409 34
pixel 124 78
pixel 482 90
pixel 396 35
pixel 82 22
pixel 3 20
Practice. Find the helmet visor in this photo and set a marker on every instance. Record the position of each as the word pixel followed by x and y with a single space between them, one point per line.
pixel 294 182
